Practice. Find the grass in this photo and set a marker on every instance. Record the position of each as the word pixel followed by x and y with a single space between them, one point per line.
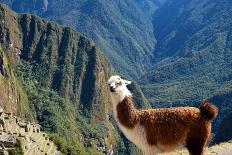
pixel 213 150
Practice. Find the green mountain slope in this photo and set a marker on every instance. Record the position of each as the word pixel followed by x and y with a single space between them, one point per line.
pixel 194 52
pixel 12 97
pixel 58 78
pixel 48 61
pixel 122 29
pixel 224 131
pixel 223 122
pixel 202 58
pixel 177 23
pixel 189 61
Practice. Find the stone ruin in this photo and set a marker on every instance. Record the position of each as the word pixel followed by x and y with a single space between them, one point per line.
pixel 9 138
pixel 29 127
pixel 13 128
pixel 3 150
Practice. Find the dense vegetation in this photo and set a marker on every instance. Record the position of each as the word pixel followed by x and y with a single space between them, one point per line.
pixel 193 55
pixel 51 74
pixel 224 131
pixel 12 97
pixel 180 52
pixel 223 122
pixel 62 76
pixel 122 29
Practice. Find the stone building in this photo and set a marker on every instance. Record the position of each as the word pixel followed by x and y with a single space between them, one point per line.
pixel 3 150
pixel 25 125
pixel 8 115
pixel 8 140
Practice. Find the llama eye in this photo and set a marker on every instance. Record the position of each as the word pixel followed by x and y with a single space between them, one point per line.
pixel 119 83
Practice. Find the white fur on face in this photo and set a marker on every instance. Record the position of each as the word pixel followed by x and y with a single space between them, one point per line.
pixel 118 88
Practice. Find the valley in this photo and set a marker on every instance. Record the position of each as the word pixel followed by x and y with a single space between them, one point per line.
pixel 176 54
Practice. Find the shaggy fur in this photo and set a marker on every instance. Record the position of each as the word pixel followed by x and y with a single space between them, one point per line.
pixel 165 129
pixel 127 115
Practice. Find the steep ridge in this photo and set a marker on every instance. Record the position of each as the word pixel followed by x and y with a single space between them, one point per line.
pixel 122 29
pixel 12 97
pixel 48 82
pixel 68 62
pixel 63 75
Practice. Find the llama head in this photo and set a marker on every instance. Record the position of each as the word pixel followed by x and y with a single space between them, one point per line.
pixel 117 86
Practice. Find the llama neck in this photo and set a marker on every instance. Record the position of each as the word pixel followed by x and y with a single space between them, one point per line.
pixel 126 113
pixel 119 97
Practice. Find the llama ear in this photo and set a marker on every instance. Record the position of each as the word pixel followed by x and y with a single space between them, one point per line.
pixel 126 82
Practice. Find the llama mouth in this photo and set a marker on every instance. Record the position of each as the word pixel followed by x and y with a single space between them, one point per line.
pixel 112 90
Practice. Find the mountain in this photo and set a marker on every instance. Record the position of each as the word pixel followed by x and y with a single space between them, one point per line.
pixel 224 131
pixel 56 77
pixel 193 51
pixel 54 67
pixel 12 97
pixel 178 51
pixel 193 55
pixel 122 29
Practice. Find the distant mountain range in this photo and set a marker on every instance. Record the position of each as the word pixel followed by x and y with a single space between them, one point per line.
pixel 122 29
pixel 179 52
pixel 193 49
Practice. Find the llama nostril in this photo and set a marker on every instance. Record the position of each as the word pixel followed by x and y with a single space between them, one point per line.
pixel 112 89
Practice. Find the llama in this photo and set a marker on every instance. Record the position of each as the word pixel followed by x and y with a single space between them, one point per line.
pixel 164 129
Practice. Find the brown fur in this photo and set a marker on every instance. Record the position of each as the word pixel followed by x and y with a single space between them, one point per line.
pixel 126 112
pixel 171 126
pixel 208 110
pixel 168 125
